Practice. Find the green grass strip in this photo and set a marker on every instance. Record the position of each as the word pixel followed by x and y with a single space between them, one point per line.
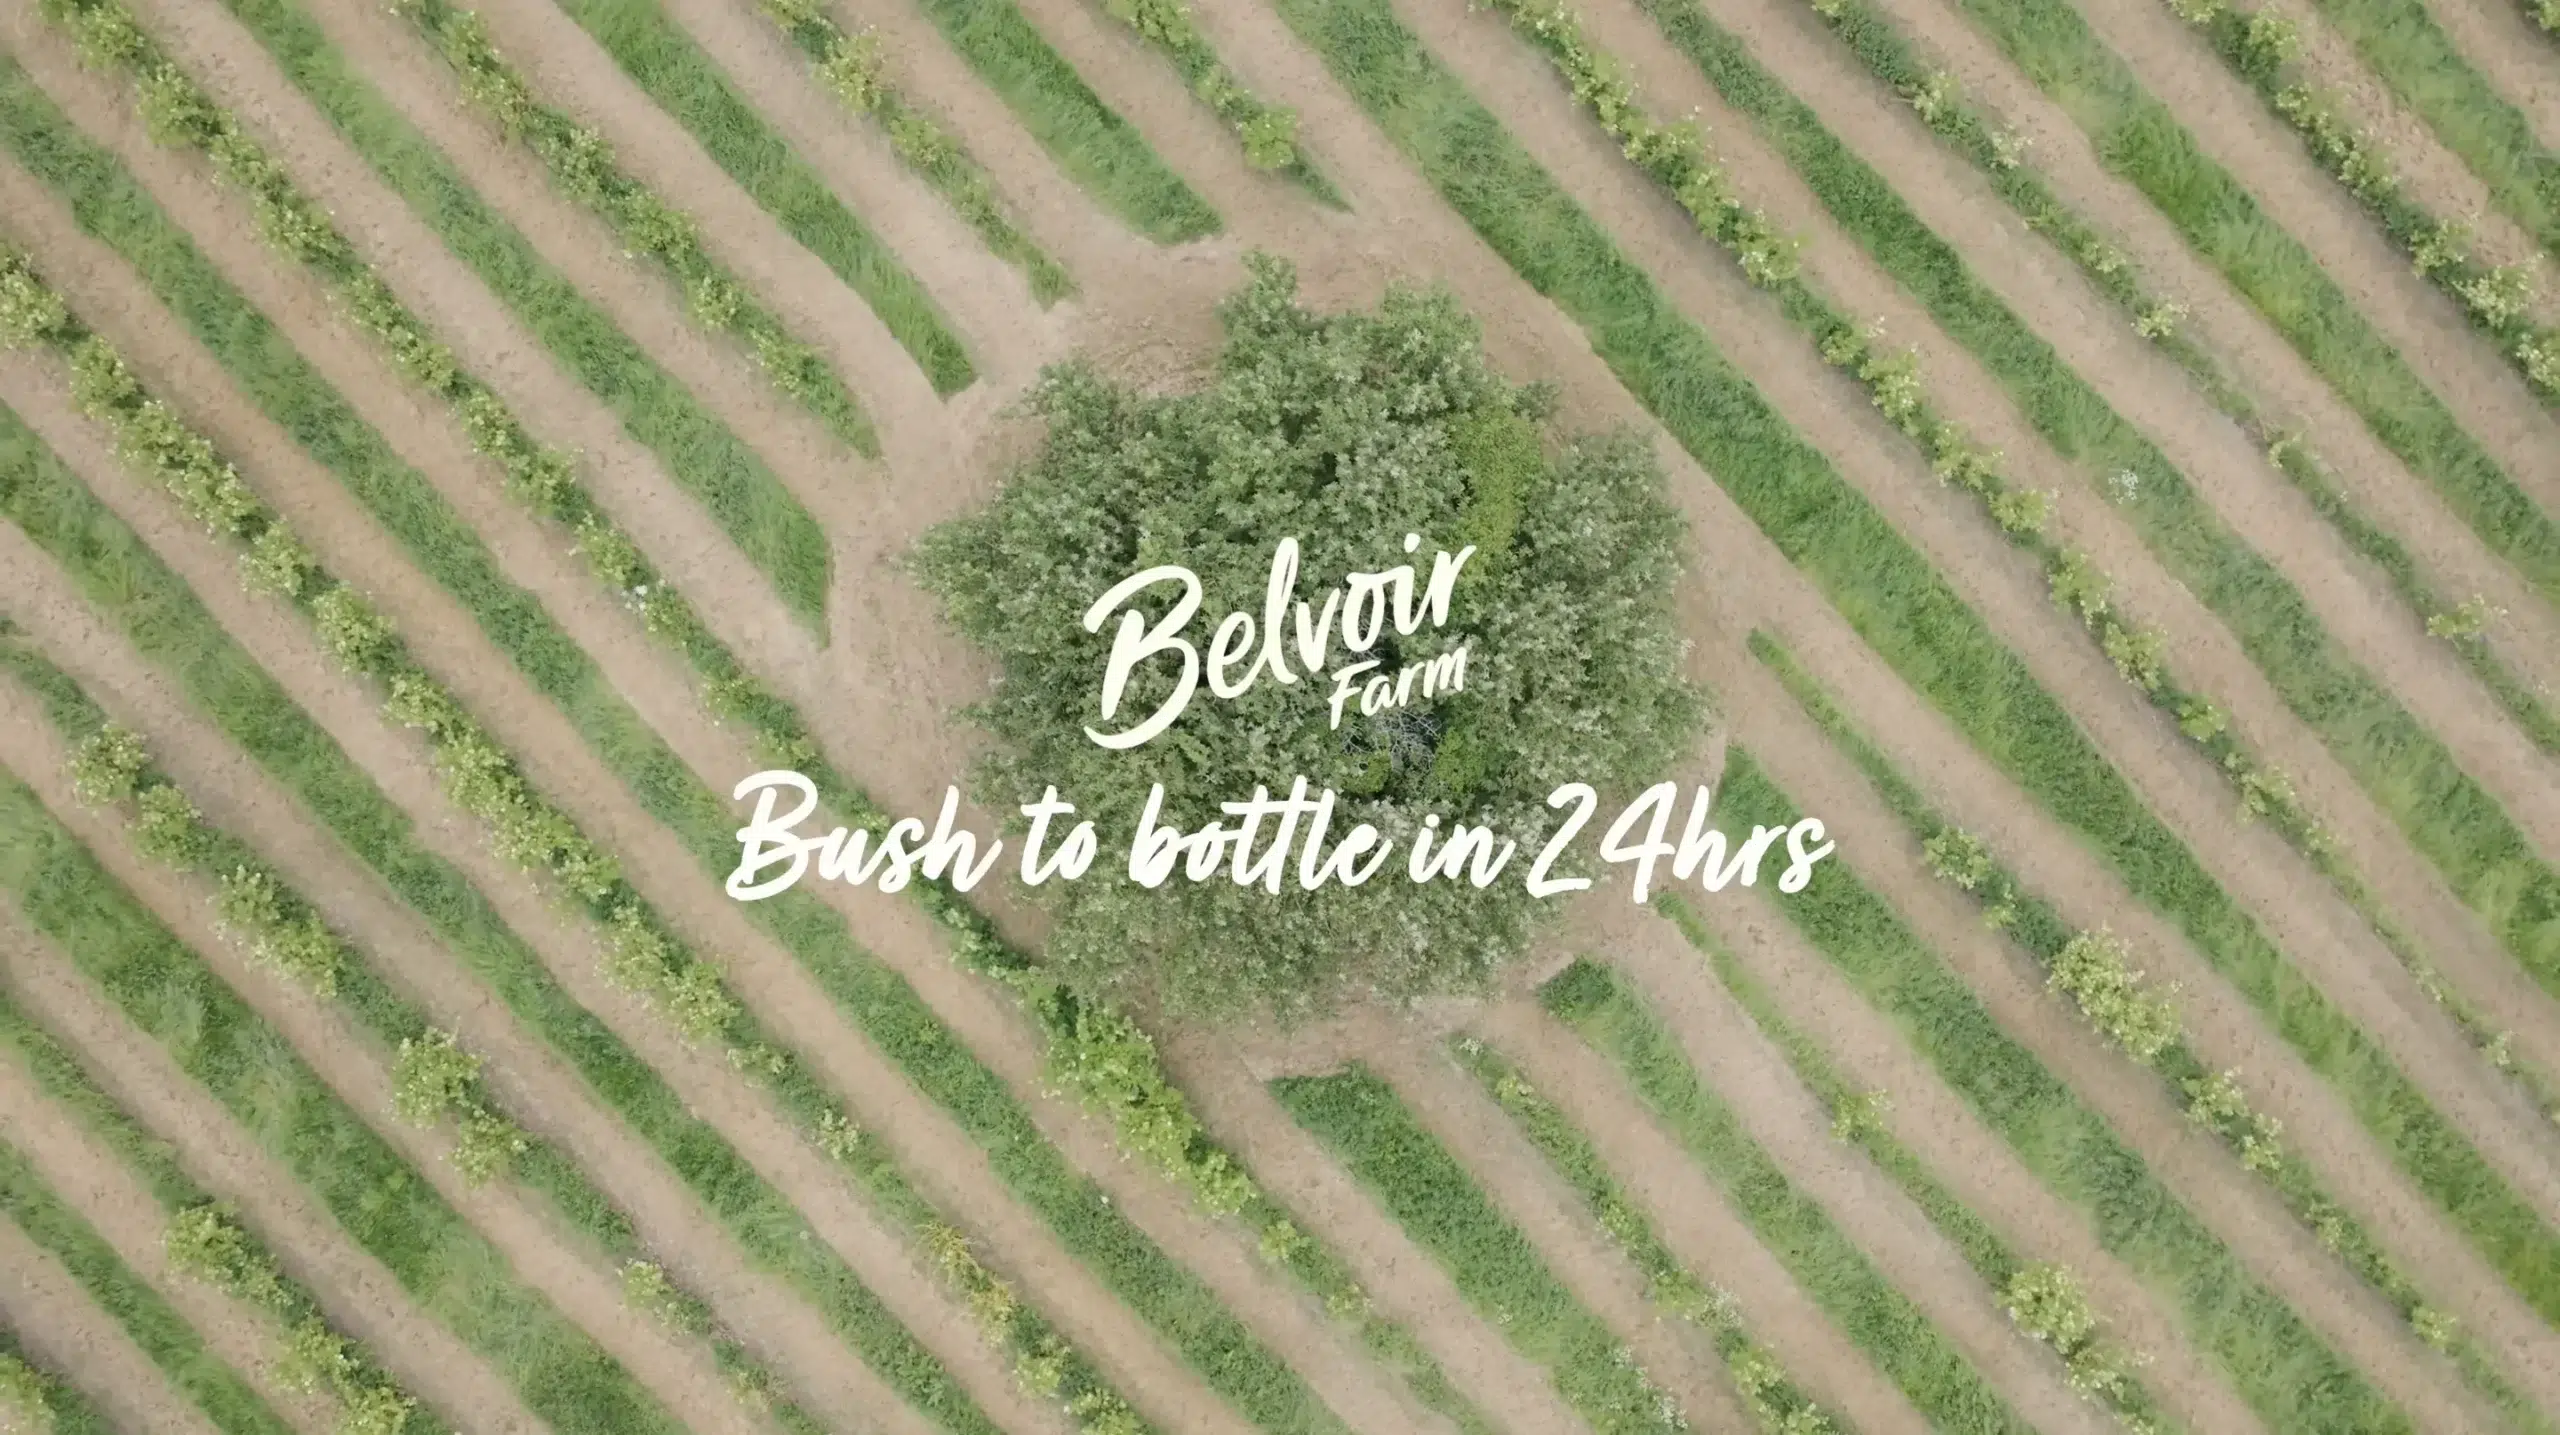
pixel 2040 932
pixel 2446 815
pixel 1984 1249
pixel 2280 1366
pixel 229 1402
pixel 1098 149
pixel 2140 141
pixel 443 197
pixel 320 773
pixel 873 996
pixel 855 72
pixel 1877 44
pixel 66 1409
pixel 1669 1285
pixel 2401 43
pixel 455 1276
pixel 765 521
pixel 1885 589
pixel 1878 1319
pixel 59 1074
pixel 664 61
pixel 162 618
pixel 1495 1267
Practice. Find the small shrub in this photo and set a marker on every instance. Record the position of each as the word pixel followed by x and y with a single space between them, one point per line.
pixel 646 1288
pixel 432 1077
pixel 25 1408
pixel 1959 857
pixel 360 638
pixel 168 829
pixel 2095 970
pixel 107 764
pixel 279 564
pixel 2159 321
pixel 2077 584
pixel 1859 1116
pixel 486 1146
pixel 206 1243
pixel 2467 622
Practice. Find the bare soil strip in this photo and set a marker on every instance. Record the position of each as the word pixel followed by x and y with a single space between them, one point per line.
pixel 1697 1221
pixel 397 761
pixel 1677 1359
pixel 2427 171
pixel 988 300
pixel 532 1084
pixel 2226 1031
pixel 2230 1202
pixel 2060 304
pixel 326 518
pixel 572 73
pixel 2515 54
pixel 2233 127
pixel 676 1372
pixel 67 1333
pixel 1410 1287
pixel 2012 599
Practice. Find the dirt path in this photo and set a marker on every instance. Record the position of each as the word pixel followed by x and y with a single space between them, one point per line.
pixel 2201 648
pixel 1516 1179
pixel 532 1084
pixel 1406 1282
pixel 64 1331
pixel 103 1190
pixel 2515 54
pixel 679 1375
pixel 569 71
pixel 2233 127
pixel 715 1092
pixel 1698 1222
pixel 2001 586
pixel 2225 1031
pixel 2429 173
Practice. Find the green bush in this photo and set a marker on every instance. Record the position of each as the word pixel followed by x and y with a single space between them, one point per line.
pixel 25 1407
pixel 1342 429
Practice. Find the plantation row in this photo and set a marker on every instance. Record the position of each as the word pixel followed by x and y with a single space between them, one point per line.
pixel 982 1237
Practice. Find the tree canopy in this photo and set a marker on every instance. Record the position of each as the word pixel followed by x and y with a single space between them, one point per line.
pixel 1346 432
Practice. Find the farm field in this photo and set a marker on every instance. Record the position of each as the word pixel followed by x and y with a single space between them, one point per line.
pixel 2097 459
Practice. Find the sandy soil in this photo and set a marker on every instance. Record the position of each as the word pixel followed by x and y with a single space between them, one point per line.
pixel 2429 173
pixel 1448 1103
pixel 2518 56
pixel 438 631
pixel 2371 627
pixel 2002 587
pixel 2227 1032
pixel 2234 128
pixel 66 1333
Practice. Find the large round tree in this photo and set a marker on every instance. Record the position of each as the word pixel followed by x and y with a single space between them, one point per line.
pixel 1346 432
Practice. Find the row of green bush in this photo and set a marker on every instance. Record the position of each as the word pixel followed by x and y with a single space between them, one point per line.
pixel 768 524
pixel 1934 95
pixel 1765 1389
pixel 1269 132
pixel 1885 589
pixel 2043 1298
pixel 1605 1010
pixel 658 55
pixel 642 953
pixel 2094 969
pixel 2402 44
pixel 855 69
pixel 453 1275
pixel 2259 46
pixel 1999 154
pixel 434 1079
pixel 2140 141
pixel 1494 1266
pixel 2448 816
pixel 1104 1058
pixel 583 164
